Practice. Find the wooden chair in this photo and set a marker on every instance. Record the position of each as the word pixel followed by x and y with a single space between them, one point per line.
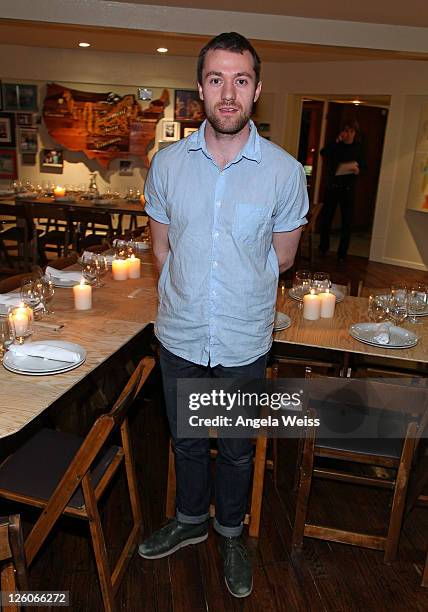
pixel 98 248
pixel 57 233
pixel 12 557
pixel 373 401
pixel 424 582
pixel 63 262
pixel 252 518
pixel 91 228
pixel 16 234
pixel 64 474
pixel 13 282
pixel 305 245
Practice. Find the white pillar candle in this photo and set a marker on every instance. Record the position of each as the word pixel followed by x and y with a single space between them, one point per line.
pixel 328 303
pixel 20 319
pixel 311 306
pixel 134 267
pixel 82 296
pixel 59 192
pixel 119 267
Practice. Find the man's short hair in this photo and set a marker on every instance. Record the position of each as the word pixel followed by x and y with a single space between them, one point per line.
pixel 229 41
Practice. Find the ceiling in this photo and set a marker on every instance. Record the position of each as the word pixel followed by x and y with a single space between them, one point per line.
pixel 60 36
pixel 407 13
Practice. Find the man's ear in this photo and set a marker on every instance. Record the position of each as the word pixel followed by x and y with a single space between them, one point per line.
pixel 257 92
pixel 201 95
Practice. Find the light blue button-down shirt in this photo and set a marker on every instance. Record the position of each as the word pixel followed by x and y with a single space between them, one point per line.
pixel 218 286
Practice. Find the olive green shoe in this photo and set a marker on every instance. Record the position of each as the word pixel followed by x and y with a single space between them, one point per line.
pixel 238 573
pixel 170 538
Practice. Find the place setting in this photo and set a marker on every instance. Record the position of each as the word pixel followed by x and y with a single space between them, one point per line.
pixel 306 281
pixel 387 311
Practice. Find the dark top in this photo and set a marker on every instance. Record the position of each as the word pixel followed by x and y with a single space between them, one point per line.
pixel 337 153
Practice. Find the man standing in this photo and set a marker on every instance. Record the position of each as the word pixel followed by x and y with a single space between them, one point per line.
pixel 226 209
pixel 345 160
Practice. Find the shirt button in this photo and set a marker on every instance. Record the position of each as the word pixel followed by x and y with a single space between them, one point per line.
pixel 215 234
pixel 214 293
pixel 218 203
pixel 215 264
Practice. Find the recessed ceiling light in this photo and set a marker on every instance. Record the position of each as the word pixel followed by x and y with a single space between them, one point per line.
pixel 83 44
pixel 162 50
pixel 356 102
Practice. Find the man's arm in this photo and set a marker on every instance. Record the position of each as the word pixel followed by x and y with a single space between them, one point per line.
pixel 285 245
pixel 160 242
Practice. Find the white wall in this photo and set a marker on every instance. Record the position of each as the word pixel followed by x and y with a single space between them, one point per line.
pixel 397 233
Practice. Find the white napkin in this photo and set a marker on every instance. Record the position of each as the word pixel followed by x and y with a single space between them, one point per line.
pixel 382 333
pixel 63 275
pixel 108 257
pixel 10 299
pixel 47 351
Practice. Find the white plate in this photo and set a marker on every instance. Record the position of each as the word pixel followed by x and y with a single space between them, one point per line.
pixel 399 337
pixel 62 283
pixel 35 366
pixel 296 295
pixel 282 321
pixel 424 313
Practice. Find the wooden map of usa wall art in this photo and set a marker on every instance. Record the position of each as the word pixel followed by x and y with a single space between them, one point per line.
pixel 103 126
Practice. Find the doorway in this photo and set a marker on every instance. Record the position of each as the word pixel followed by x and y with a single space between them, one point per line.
pixel 314 132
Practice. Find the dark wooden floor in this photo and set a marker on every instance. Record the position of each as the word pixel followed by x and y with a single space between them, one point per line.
pixel 322 577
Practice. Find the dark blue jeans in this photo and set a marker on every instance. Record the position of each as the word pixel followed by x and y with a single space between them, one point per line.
pixel 234 462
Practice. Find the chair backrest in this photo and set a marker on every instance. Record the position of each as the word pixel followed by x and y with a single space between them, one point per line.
pixel 47 211
pixel 12 551
pixel 13 282
pixel 63 262
pixel 85 456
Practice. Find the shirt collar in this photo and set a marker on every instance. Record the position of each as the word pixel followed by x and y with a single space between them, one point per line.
pixel 251 149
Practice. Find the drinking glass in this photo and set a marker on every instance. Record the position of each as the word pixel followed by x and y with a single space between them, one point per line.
pixel 302 282
pixel 397 307
pixel 378 308
pixel 121 249
pixel 31 293
pixel 417 302
pixel 48 291
pixel 101 269
pixel 320 281
pixel 89 267
pixel 6 335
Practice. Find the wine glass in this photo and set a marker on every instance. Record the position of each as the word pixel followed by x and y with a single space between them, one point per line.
pixel 378 308
pixel 31 293
pixel 48 291
pixel 302 282
pixel 89 267
pixel 397 307
pixel 417 302
pixel 121 249
pixel 320 281
pixel 6 335
pixel 101 269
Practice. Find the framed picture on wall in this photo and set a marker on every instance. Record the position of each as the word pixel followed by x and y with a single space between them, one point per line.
pixel 25 119
pixel 7 129
pixel 17 97
pixel 51 158
pixel 8 167
pixel 188 128
pixel 188 106
pixel 126 167
pixel 170 130
pixel 27 140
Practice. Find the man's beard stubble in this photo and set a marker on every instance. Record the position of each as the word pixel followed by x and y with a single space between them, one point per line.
pixel 228 126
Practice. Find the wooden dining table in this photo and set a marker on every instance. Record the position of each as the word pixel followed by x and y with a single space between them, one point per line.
pixel 120 311
pixel 119 206
pixel 333 334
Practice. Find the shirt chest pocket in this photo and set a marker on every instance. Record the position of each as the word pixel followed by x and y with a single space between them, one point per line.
pixel 249 222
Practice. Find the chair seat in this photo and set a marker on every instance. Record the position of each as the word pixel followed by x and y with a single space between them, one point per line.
pixel 373 431
pixel 36 468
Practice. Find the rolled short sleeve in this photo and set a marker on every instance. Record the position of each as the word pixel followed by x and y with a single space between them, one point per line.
pixel 293 204
pixel 154 193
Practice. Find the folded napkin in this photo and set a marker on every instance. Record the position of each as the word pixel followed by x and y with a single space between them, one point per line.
pixel 108 257
pixel 63 275
pixel 47 351
pixel 382 333
pixel 10 299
